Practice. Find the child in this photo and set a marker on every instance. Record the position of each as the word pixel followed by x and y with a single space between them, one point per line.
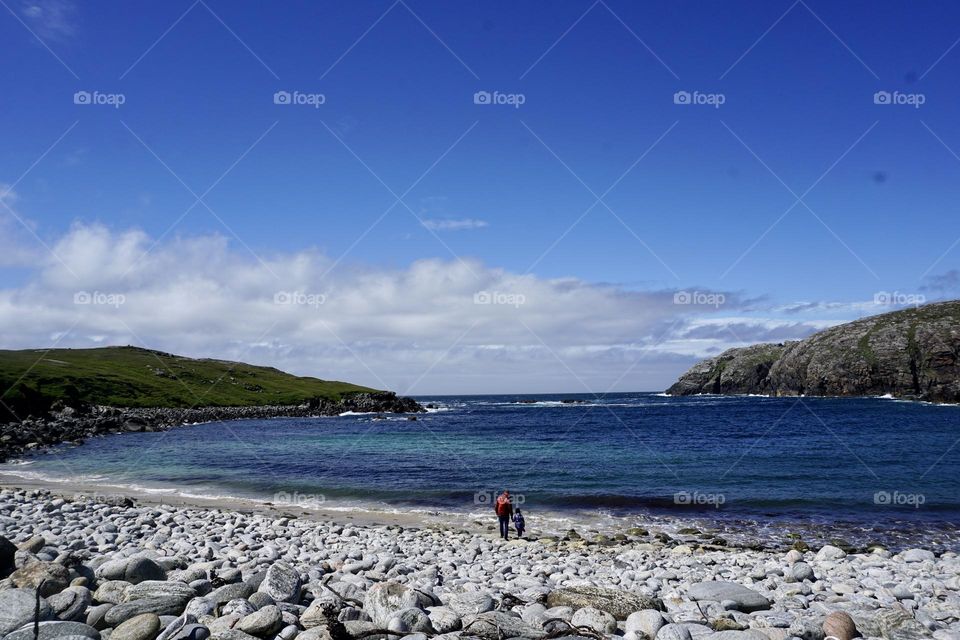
pixel 519 523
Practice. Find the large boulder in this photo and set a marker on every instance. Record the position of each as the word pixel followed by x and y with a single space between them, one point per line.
pixel 496 625
pixel 282 583
pixel 617 603
pixel 17 607
pixel 53 576
pixel 386 598
pixel 745 599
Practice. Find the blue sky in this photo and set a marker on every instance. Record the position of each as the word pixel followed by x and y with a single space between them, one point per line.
pixel 693 197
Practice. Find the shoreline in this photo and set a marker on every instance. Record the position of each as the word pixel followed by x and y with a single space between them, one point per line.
pixel 695 530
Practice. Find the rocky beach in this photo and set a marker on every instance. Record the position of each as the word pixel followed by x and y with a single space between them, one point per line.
pixel 117 569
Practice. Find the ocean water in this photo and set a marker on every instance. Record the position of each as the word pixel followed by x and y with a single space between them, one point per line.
pixel 746 468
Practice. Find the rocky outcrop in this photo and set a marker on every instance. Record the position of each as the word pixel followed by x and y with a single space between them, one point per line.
pixel 913 353
pixel 77 423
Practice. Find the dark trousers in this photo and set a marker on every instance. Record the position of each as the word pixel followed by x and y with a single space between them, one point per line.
pixel 504 526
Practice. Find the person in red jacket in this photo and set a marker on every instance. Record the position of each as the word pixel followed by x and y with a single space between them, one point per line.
pixel 504 509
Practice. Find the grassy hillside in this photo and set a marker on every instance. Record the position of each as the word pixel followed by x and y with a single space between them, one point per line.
pixel 132 377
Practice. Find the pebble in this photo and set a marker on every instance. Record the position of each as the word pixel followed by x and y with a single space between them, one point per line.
pixel 145 626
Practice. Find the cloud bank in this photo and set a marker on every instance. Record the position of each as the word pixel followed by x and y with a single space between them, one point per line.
pixel 433 327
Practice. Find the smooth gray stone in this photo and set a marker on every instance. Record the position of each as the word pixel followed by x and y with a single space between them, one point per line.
pixel 159 589
pixel 192 632
pixel 229 592
pixel 802 571
pixel 95 616
pixel 17 607
pixel 111 591
pixel 160 606
pixel 494 625
pixel 445 619
pixel 231 634
pixel 199 607
pixel 470 603
pixel 599 621
pixel 410 621
pixel 261 600
pixel 647 622
pixel 239 607
pixel 673 632
pixel 71 603
pixel 354 628
pixel 141 569
pixel 145 626
pixel 263 622
pixel 746 634
pixel 917 555
pixel 55 629
pixel 176 625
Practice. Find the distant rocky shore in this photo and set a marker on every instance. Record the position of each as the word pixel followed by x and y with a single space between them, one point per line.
pixel 78 423
pixel 101 569
pixel 913 353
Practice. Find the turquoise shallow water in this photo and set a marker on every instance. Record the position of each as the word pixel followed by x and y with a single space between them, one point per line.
pixel 870 469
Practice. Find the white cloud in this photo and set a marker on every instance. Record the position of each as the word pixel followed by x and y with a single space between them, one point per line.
pixel 434 326
pixel 451 224
pixel 50 19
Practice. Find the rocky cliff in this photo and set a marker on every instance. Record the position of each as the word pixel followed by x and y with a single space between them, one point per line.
pixel 913 353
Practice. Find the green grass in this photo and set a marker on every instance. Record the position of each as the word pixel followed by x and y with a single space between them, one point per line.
pixel 134 377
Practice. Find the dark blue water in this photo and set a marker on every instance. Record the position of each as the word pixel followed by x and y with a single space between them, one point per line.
pixel 866 468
